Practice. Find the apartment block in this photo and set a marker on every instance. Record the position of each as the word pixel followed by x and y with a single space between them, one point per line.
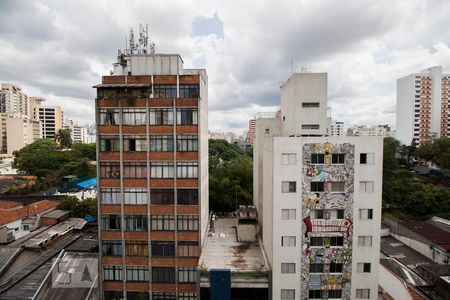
pixel 423 107
pixel 318 198
pixel 51 118
pixel 13 100
pixel 251 131
pixel 337 128
pixel 78 133
pixel 152 147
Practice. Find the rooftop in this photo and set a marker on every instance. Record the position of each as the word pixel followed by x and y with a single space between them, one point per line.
pixel 223 251
pixel 430 232
pixel 19 212
pixel 393 248
pixel 57 213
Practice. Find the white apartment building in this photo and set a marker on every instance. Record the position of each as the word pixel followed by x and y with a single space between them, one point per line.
pixel 78 133
pixel 51 118
pixel 318 197
pixel 363 130
pixel 423 107
pixel 337 128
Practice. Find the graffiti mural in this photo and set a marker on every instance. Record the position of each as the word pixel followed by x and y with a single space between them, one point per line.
pixel 326 240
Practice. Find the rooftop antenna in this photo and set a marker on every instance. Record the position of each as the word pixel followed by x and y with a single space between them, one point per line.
pixel 133 46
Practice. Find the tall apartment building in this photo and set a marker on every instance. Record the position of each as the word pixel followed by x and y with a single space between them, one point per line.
pixel 78 133
pixel 423 107
pixel 337 128
pixel 318 198
pixel 152 147
pixel 51 118
pixel 251 131
pixel 13 100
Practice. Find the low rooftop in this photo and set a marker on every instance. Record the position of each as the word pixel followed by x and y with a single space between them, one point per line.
pixel 223 251
pixel 430 232
pixel 393 248
pixel 18 212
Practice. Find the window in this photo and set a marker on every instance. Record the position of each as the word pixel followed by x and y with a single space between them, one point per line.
pixel 163 222
pixel 162 196
pixel 338 186
pixel 165 91
pixel 187 275
pixel 136 222
pixel 187 116
pixel 187 170
pixel 288 241
pixel 161 170
pixel 136 248
pixel 135 170
pixel 164 296
pixel 317 186
pixel 137 273
pixel 317 158
pixel 288 158
pixel 109 170
pixel 113 248
pixel 337 158
pixel 288 186
pixel 110 195
pixel 333 241
pixel 336 267
pixel 310 126
pixel 310 104
pixel 287 268
pixel 327 214
pixel 163 275
pixel 163 249
pixel 366 186
pixel 334 294
pixel 135 196
pixel 187 223
pixel 188 249
pixel 362 293
pixel 161 143
pixel 288 214
pixel 161 116
pixel 187 143
pixel 189 91
pixel 134 116
pixel 367 158
pixel 186 296
pixel 109 143
pixel 363 267
pixel 112 273
pixel 187 196
pixel 287 294
pixel 111 222
pixel 315 268
pixel 315 294
pixel 109 116
pixel 365 241
pixel 366 214
pixel 134 143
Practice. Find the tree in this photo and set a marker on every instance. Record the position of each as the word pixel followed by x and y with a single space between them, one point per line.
pixel 436 151
pixel 82 150
pixel 63 138
pixel 79 209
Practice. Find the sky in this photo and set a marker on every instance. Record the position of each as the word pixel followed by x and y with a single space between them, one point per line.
pixel 59 50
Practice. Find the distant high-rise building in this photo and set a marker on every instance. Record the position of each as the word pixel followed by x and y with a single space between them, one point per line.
pixel 363 130
pixel 251 131
pixel 423 107
pixel 152 129
pixel 318 198
pixel 337 128
pixel 13 100
pixel 51 118
pixel 78 133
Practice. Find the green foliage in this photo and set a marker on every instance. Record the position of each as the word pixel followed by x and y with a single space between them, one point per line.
pixel 230 176
pixel 63 138
pixel 436 151
pixel 408 195
pixel 79 208
pixel 81 150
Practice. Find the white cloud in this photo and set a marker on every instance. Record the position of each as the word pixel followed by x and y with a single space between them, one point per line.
pixel 59 49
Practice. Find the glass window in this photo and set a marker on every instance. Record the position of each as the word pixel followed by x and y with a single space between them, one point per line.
pixel 134 143
pixel 187 223
pixel 288 241
pixel 112 273
pixel 289 158
pixel 287 294
pixel 187 116
pixel 110 195
pixel 164 296
pixel 310 126
pixel 337 186
pixel 112 248
pixel 135 196
pixel 134 116
pixel 367 158
pixel 110 222
pixel 161 116
pixel 109 143
pixel 365 241
pixel 366 214
pixel 188 249
pixel 334 294
pixel 161 170
pixel 288 214
pixel 109 170
pixel 136 248
pixel 165 91
pixel 366 186
pixel 135 170
pixel 109 116
pixel 187 170
pixel 317 186
pixel 187 275
pixel 187 143
pixel 161 143
pixel 287 268
pixel 310 104
pixel 163 222
pixel 337 158
pixel 163 275
pixel 362 293
pixel 186 296
pixel 138 273
pixel 288 186
pixel 317 158
pixel 163 249
pixel 162 196
pixel 187 196
pixel 315 294
pixel 136 222
pixel 189 91
pixel 336 267
pixel 363 267
pixel 315 268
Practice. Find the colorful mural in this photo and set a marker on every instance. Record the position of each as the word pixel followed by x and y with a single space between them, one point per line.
pixel 327 229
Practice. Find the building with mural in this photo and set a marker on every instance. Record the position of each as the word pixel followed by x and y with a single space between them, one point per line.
pixel 318 198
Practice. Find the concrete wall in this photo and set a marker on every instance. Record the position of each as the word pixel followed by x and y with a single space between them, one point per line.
pixel 160 64
pixel 392 285
pixel 405 109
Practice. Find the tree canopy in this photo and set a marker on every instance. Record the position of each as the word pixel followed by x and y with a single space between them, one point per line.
pixel 64 138
pixel 230 176
pixel 436 151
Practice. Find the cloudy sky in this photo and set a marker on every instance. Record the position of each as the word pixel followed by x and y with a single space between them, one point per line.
pixel 59 49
